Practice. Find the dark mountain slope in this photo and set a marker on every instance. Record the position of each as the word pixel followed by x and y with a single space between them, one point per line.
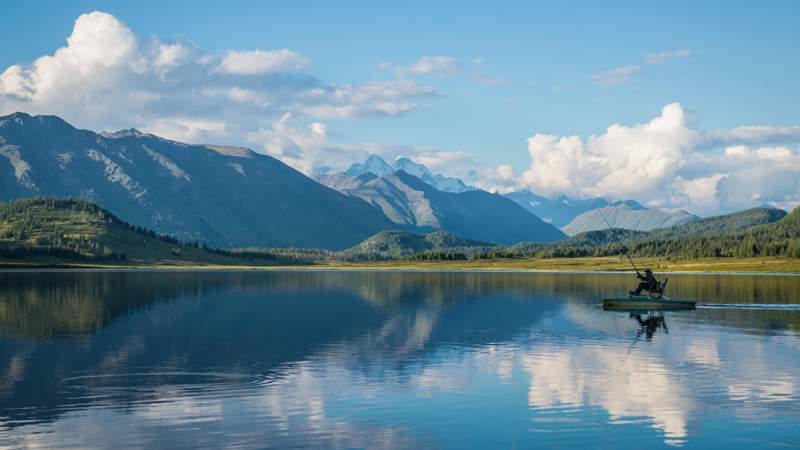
pixel 222 195
pixel 483 216
pixel 474 214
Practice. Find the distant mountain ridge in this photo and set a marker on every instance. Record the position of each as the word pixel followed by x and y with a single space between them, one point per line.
pixel 558 209
pixel 379 167
pixel 226 196
pixel 410 202
pixel 627 215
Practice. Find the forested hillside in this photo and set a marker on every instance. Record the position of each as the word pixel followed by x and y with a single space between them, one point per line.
pixel 75 230
pixel 780 238
pixel 59 230
pixel 714 226
pixel 399 244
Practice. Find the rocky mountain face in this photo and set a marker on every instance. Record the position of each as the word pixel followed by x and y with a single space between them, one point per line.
pixel 412 203
pixel 226 196
pixel 627 215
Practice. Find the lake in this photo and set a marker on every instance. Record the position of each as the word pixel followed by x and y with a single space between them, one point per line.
pixel 394 360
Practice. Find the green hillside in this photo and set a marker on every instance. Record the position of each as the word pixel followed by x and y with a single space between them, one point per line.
pixel 52 231
pixel 76 230
pixel 780 238
pixel 786 230
pixel 726 224
pixel 397 244
pixel 602 237
pixel 717 226
pixel 717 237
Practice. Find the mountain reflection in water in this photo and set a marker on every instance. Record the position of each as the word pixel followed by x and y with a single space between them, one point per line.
pixel 390 359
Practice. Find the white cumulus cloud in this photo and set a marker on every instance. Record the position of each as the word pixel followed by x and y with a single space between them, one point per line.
pixel 107 77
pixel 670 162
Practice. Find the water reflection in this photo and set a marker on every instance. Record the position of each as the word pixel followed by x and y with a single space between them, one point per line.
pixel 390 360
pixel 649 322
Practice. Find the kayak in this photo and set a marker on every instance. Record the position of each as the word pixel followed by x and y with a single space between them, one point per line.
pixel 646 302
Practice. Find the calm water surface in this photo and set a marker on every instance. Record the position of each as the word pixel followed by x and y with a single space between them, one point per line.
pixel 394 360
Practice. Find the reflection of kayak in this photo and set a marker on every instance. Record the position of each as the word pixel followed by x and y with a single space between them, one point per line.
pixel 646 302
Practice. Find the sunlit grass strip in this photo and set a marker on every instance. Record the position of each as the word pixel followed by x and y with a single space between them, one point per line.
pixel 717 265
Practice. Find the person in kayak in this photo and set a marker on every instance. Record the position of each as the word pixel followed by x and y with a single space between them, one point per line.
pixel 649 282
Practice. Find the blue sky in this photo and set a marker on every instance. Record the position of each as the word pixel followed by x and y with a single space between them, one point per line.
pixel 517 69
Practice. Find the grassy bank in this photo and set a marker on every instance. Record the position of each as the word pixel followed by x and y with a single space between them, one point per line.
pixel 721 265
pixel 725 265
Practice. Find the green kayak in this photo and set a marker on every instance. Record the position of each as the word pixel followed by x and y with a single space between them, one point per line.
pixel 645 302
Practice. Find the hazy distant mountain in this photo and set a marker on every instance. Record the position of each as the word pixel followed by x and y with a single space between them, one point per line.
pixel 557 209
pixel 224 195
pixel 378 166
pixel 476 214
pixel 627 215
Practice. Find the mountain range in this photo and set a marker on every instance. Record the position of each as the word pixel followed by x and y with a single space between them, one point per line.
pixel 578 215
pixel 379 167
pixel 411 202
pixel 226 196
pixel 234 197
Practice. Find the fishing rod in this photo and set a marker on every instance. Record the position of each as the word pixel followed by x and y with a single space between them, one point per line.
pixel 631 260
pixel 600 210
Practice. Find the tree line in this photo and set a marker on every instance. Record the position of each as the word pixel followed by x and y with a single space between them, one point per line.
pixel 31 233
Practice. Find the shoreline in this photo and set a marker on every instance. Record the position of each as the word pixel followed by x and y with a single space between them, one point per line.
pixel 596 265
pixel 378 270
